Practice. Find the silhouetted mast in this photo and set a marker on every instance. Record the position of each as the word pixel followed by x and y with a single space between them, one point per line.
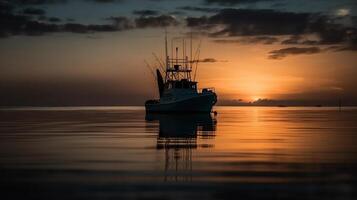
pixel 191 50
pixel 166 54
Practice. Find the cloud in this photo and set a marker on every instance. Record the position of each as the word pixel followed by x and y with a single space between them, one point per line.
pixel 37 2
pixel 156 21
pixel 349 47
pixel 33 11
pixel 197 22
pixel 199 9
pixel 121 23
pixel 54 19
pixel 146 12
pixel 14 23
pixel 282 53
pixel 19 24
pixel 249 22
pixel 259 23
pixel 106 1
pixel 250 40
pixel 235 2
pixel 209 60
pixel 342 12
pixel 80 28
pixel 254 26
pixel 327 34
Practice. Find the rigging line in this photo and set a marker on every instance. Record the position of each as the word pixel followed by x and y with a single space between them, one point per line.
pixel 151 70
pixel 198 58
pixel 197 51
pixel 161 64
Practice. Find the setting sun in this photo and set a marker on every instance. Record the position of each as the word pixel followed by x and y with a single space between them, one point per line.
pixel 256 98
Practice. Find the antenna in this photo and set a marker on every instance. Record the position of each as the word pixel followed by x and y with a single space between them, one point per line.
pixel 172 51
pixel 166 56
pixel 176 55
pixel 183 48
pixel 191 50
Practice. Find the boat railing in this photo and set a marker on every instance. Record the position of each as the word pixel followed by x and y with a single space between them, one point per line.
pixel 210 89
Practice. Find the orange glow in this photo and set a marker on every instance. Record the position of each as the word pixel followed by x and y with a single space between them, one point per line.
pixel 243 71
pixel 249 75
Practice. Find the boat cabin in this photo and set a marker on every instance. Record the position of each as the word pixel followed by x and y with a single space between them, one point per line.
pixel 181 84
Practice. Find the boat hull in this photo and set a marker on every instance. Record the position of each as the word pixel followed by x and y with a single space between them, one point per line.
pixel 202 103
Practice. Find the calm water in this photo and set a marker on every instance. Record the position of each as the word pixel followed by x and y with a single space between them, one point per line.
pixel 120 153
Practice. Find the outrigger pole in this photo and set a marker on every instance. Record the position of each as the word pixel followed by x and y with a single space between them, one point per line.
pixel 161 64
pixel 150 69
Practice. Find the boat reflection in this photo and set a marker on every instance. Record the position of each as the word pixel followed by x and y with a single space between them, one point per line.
pixel 178 136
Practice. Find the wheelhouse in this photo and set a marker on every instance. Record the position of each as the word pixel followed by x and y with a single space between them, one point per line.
pixel 181 84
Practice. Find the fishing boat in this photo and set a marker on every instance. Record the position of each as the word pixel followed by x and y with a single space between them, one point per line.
pixel 177 88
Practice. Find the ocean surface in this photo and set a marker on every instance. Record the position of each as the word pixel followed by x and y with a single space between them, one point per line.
pixel 122 153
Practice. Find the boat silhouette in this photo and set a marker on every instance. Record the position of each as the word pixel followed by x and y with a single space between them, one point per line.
pixel 177 89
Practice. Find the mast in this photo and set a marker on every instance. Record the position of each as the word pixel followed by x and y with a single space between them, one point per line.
pixel 191 50
pixel 166 54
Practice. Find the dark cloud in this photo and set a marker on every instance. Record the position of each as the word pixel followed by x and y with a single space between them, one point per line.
pixel 37 2
pixel 106 1
pixel 294 39
pixel 18 24
pixel 197 22
pixel 33 11
pixel 282 53
pixel 257 22
pixel 261 26
pixel 235 2
pixel 330 32
pixel 250 40
pixel 12 23
pixel 80 28
pixel 39 28
pixel 327 34
pixel 54 19
pixel 23 23
pixel 199 9
pixel 209 60
pixel 156 21
pixel 121 23
pixel 146 12
pixel 354 20
pixel 259 39
pixel 177 13
pixel 248 22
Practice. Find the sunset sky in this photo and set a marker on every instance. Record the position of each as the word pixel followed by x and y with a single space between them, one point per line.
pixel 92 52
